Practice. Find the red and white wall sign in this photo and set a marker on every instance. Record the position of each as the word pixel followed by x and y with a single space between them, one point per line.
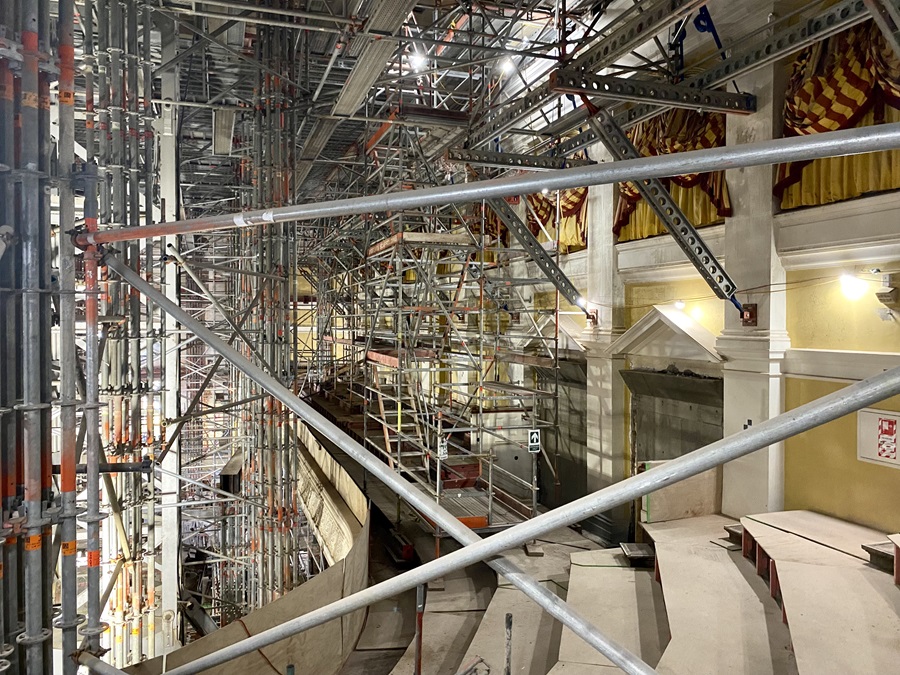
pixel 876 436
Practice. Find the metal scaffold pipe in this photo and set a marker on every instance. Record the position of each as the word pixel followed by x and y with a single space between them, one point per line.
pixel 800 148
pixel 775 430
pixel 551 603
pixel 69 619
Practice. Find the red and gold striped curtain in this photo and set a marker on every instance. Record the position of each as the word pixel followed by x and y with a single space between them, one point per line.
pixel 850 80
pixel 702 196
pixel 572 218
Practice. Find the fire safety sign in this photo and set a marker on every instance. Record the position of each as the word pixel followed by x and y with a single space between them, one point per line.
pixel 877 432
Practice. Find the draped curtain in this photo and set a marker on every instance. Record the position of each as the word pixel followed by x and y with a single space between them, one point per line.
pixel 702 196
pixel 850 80
pixel 572 220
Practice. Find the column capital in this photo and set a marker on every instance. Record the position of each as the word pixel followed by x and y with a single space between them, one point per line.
pixel 761 353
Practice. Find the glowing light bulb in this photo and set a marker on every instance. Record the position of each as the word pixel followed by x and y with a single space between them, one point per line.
pixel 581 302
pixel 853 287
pixel 545 191
pixel 416 61
pixel 679 304
pixel 507 66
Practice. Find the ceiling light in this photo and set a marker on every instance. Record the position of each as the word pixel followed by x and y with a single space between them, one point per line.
pixel 507 65
pixel 416 61
pixel 545 191
pixel 853 287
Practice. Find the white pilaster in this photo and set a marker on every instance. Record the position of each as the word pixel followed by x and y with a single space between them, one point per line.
pixel 753 380
pixel 605 414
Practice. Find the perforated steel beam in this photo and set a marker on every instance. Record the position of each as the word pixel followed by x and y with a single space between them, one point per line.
pixel 777 46
pixel 887 17
pixel 670 214
pixel 636 31
pixel 508 160
pixel 528 241
pixel 573 81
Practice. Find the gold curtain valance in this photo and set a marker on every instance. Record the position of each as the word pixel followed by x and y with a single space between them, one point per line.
pixel 702 196
pixel 851 79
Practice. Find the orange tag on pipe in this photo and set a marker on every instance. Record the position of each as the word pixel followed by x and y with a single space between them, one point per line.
pixel 93 558
pixel 33 542
pixel 69 548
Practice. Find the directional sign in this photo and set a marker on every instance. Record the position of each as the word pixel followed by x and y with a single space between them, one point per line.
pixel 443 450
pixel 534 440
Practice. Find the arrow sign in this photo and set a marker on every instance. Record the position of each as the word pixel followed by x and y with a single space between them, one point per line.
pixel 534 440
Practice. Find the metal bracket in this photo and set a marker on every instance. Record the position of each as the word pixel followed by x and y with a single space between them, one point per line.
pixel 672 217
pixel 572 81
pixel 528 241
pixel 506 160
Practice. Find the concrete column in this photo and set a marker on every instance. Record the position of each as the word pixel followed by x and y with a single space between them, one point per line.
pixel 166 127
pixel 605 414
pixel 752 373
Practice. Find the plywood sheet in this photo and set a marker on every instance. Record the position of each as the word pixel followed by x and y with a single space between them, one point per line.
pixel 467 589
pixel 445 639
pixel 535 635
pixel 700 495
pixel 356 578
pixel 721 615
pixel 831 532
pixel 843 620
pixel 606 557
pixel 625 603
pixel 700 529
pixel 780 545
pixel 570 668
pixel 320 648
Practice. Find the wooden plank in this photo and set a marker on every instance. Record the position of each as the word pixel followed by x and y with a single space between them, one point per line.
pixel 570 668
pixel 720 613
pixel 625 603
pixel 700 529
pixel 699 495
pixel 535 635
pixel 420 239
pixel 895 540
pixel 826 530
pixel 843 619
pixel 445 638
pixel 781 545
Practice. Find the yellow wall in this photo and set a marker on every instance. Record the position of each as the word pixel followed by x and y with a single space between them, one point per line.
pixel 819 316
pixel 547 300
pixel 822 473
pixel 700 303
